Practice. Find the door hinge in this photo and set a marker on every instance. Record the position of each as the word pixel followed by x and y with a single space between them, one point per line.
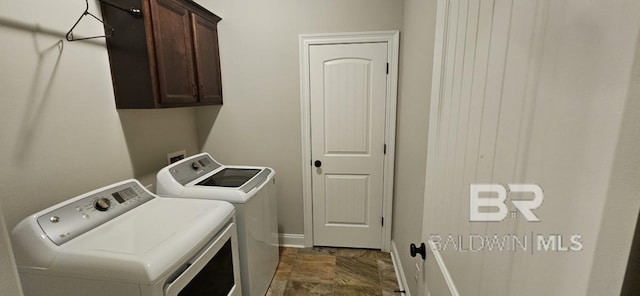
pixel 382 221
pixel 385 149
pixel 387 68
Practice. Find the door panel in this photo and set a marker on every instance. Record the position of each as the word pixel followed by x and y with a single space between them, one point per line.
pixel 346 106
pixel 346 202
pixel 172 34
pixel 348 93
pixel 207 60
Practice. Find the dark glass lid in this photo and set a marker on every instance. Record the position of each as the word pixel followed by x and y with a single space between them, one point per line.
pixel 230 177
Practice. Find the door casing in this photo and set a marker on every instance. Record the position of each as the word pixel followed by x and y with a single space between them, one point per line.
pixel 392 40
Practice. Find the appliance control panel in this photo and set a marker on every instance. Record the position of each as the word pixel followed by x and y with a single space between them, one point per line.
pixel 192 168
pixel 73 219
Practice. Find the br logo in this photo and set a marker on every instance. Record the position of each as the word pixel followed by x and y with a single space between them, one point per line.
pixel 496 201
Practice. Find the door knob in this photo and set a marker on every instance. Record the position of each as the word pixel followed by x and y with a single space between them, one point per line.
pixel 317 163
pixel 422 250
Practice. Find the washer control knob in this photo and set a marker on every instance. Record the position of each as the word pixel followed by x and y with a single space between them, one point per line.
pixel 54 219
pixel 102 204
pixel 195 166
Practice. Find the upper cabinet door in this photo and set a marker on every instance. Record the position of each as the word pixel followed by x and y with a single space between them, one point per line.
pixel 207 60
pixel 174 52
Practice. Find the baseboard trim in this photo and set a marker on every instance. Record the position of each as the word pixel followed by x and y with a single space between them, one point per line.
pixel 397 264
pixel 291 240
pixel 443 269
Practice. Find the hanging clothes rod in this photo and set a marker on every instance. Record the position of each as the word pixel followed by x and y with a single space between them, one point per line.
pixel 135 12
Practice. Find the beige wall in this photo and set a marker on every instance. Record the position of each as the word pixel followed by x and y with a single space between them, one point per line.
pixel 61 134
pixel 414 89
pixel 584 130
pixel 620 210
pixel 9 284
pixel 259 123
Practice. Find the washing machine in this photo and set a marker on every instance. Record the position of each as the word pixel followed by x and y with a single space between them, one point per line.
pixel 251 190
pixel 123 240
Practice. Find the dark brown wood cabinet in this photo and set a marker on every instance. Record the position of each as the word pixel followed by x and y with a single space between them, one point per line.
pixel 169 57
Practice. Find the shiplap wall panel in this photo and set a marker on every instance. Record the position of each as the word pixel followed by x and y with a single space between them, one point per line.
pixel 533 92
pixel 485 84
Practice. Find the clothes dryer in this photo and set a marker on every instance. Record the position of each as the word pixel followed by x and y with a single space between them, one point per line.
pixel 123 240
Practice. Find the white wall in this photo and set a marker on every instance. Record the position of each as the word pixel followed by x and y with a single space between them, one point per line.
pixel 61 134
pixel 259 123
pixel 414 88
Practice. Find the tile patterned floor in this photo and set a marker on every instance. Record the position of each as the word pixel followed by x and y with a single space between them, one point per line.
pixel 334 271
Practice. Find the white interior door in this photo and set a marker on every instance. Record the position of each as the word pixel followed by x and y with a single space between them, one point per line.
pixel 348 92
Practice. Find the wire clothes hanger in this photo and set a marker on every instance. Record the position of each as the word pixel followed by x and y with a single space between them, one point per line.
pixel 108 29
pixel 135 12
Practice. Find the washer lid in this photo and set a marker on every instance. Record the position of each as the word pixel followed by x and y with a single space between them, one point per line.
pixel 230 177
pixel 146 243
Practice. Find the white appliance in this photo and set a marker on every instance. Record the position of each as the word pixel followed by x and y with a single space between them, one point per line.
pixel 123 240
pixel 251 190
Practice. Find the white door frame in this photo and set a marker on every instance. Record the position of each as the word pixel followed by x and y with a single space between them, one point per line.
pixel 439 56
pixel 392 39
